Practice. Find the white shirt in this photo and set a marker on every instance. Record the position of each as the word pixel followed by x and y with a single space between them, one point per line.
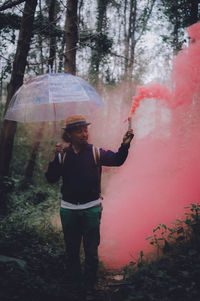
pixel 67 205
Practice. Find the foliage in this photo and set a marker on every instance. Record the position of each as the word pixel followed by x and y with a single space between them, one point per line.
pixel 9 20
pixel 103 31
pixel 174 275
pixel 27 233
pixel 181 14
pixel 101 45
pixel 41 24
pixel 7 68
pixel 101 42
pixel 183 10
pixel 45 273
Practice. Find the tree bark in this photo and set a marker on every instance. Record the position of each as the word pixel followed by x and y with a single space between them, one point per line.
pixel 19 64
pixel 126 40
pixel 132 42
pixel 34 151
pixel 52 23
pixel 195 11
pixel 71 37
pixel 40 41
pixel 61 54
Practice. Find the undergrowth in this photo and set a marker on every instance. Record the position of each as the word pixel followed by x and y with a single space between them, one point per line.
pixel 27 234
pixel 39 268
pixel 175 273
pixel 33 264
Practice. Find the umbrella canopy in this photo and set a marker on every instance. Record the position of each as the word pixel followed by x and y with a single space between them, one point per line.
pixel 52 97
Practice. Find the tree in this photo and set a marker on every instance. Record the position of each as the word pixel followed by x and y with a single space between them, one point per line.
pixel 70 63
pixel 181 14
pixel 52 23
pixel 34 152
pixel 52 52
pixel 19 64
pixel 130 40
pixel 135 24
pixel 101 44
pixel 71 36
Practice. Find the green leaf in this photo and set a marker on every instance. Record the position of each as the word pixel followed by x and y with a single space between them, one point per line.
pixel 157 228
pixel 180 230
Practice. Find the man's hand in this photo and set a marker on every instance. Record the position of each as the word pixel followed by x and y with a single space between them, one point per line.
pixel 128 137
pixel 58 149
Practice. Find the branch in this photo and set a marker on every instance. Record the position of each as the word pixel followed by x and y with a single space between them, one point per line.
pixel 9 4
pixel 146 20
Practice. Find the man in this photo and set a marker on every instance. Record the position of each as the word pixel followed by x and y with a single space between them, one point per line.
pixel 81 200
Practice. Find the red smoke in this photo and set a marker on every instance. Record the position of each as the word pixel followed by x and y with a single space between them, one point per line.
pixel 185 76
pixel 162 172
pixel 156 91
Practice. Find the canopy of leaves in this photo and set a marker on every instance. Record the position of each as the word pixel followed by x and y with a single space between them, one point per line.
pixel 185 12
pixel 9 20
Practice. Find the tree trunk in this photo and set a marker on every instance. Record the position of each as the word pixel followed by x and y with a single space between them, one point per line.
pixel 130 43
pixel 71 38
pixel 195 11
pixel 52 23
pixel 39 132
pixel 34 151
pixel 9 127
pixel 61 54
pixel 176 44
pixel 133 40
pixel 130 40
pixel 126 41
pixel 40 42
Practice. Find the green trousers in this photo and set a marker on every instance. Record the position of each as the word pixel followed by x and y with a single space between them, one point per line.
pixel 81 225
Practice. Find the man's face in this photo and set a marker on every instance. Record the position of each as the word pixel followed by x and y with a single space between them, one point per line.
pixel 79 135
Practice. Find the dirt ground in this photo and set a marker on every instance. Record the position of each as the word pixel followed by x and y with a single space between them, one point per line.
pixel 111 287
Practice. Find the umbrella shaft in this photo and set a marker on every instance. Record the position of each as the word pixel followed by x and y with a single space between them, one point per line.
pixel 55 126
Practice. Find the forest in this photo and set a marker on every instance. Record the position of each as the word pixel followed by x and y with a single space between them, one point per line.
pixel 142 58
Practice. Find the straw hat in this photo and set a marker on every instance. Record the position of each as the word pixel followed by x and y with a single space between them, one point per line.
pixel 75 120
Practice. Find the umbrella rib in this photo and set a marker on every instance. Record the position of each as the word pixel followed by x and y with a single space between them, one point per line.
pixel 82 88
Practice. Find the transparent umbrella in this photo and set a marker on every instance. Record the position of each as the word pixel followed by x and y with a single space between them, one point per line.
pixel 52 97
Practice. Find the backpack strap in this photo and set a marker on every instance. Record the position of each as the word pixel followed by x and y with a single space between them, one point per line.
pixel 96 154
pixel 63 157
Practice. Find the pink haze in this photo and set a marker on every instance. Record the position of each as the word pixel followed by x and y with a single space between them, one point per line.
pixel 162 172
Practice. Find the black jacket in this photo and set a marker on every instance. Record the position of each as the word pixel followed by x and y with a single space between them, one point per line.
pixel 79 172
